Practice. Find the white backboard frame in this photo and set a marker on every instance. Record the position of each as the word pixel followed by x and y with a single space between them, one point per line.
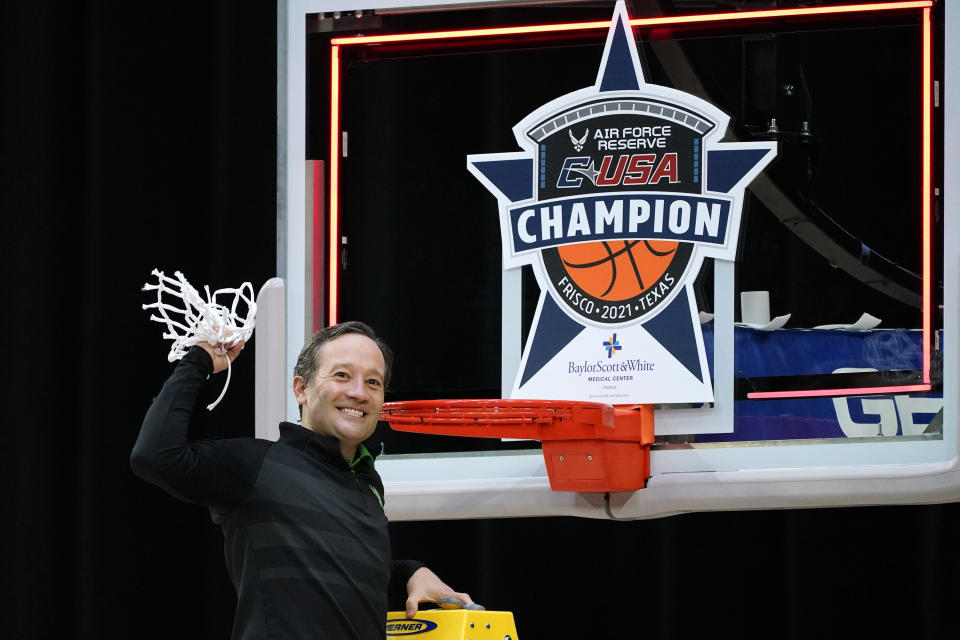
pixel 515 484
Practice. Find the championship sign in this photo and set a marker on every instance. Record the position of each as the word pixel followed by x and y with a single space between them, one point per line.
pixel 619 193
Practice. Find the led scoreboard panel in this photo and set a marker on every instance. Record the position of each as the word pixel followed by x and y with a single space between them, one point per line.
pixel 380 219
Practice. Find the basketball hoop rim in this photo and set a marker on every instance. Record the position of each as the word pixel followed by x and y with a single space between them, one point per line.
pixel 502 410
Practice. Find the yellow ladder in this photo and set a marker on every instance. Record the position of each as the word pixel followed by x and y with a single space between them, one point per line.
pixel 452 624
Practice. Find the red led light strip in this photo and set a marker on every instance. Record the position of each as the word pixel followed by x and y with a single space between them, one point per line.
pixel 925 189
pixel 333 216
pixel 334 212
pixel 636 22
pixel 854 391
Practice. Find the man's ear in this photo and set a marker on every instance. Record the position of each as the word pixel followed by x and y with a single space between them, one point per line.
pixel 300 389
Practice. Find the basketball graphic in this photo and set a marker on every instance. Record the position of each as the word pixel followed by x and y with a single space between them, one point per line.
pixel 614 179
pixel 617 270
pixel 616 281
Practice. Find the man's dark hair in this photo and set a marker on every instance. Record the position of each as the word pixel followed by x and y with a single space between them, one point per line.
pixel 310 354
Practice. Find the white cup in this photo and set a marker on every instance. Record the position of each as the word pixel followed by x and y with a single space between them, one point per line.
pixel 755 307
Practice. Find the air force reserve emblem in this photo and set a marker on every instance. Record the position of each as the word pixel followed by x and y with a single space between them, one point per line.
pixel 620 192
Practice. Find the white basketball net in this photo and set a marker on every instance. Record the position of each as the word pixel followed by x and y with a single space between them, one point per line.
pixel 190 319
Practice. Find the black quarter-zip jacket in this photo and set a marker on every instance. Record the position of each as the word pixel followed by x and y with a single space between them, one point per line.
pixel 305 535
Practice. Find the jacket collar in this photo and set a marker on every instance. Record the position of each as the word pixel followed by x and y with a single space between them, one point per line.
pixel 323 447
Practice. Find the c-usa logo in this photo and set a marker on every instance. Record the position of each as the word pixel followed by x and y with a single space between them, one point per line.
pixel 616 228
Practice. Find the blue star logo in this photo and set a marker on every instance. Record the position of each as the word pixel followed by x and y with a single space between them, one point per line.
pixel 577 179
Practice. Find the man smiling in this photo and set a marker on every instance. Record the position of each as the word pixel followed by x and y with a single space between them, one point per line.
pixel 341 395
pixel 305 535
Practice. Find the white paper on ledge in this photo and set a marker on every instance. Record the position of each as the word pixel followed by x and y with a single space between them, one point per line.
pixel 865 323
pixel 776 323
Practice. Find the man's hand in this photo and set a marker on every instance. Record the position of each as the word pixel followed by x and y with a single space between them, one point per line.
pixel 220 360
pixel 425 586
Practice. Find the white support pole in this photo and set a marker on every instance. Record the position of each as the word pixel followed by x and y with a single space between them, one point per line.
pixel 270 388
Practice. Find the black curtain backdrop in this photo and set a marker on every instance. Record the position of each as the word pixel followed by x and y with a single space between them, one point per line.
pixel 137 136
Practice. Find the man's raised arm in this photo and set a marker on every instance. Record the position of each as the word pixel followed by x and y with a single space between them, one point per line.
pixel 211 472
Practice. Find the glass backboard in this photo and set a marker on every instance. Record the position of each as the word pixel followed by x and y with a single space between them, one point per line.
pixel 844 232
